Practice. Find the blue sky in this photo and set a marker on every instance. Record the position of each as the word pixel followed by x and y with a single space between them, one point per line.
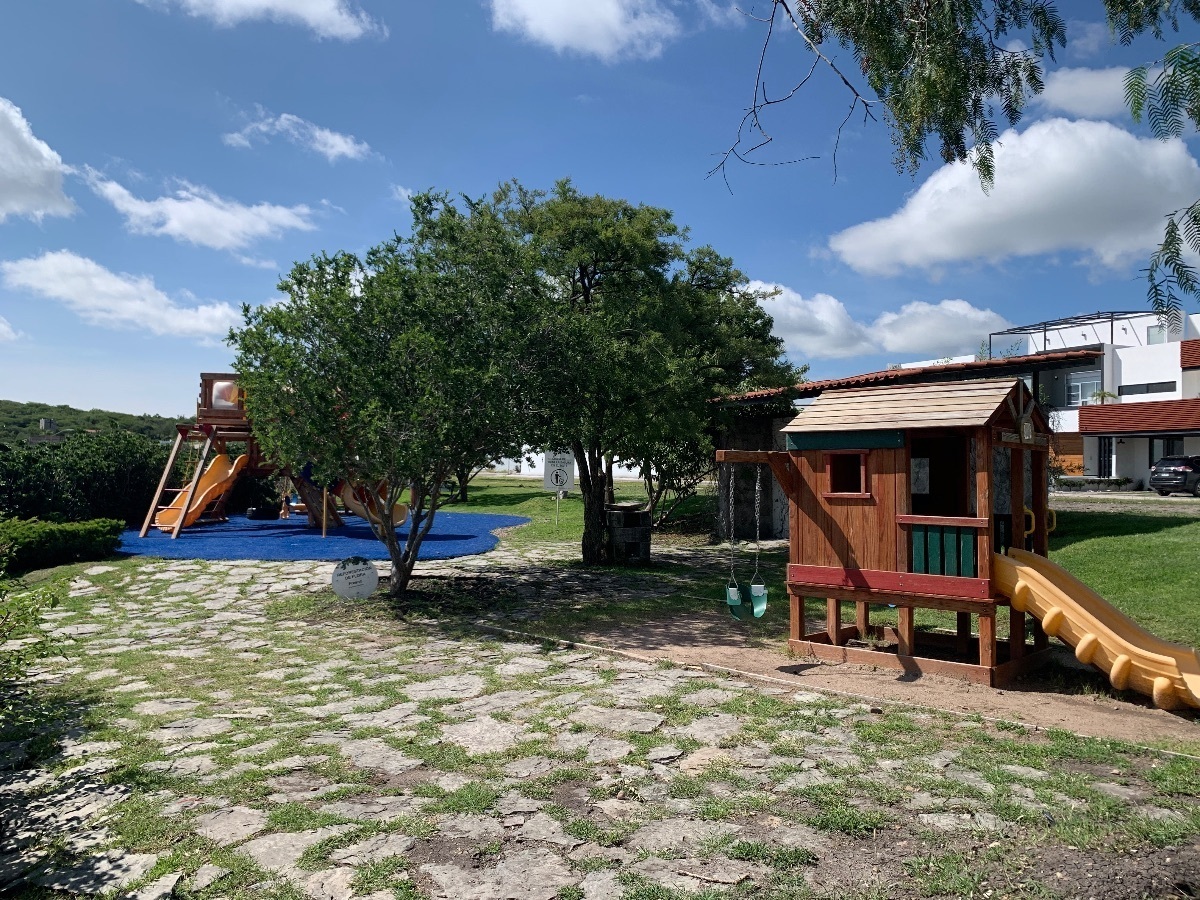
pixel 163 161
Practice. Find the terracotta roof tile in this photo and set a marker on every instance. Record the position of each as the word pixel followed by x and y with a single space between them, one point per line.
pixel 1154 417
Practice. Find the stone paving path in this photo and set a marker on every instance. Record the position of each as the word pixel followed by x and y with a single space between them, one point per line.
pixel 224 735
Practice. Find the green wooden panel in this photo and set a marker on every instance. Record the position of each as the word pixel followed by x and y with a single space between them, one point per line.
pixel 950 551
pixel 846 440
pixel 934 545
pixel 966 553
pixel 919 562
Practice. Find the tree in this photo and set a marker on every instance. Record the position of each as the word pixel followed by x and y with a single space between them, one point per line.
pixel 936 71
pixel 398 369
pixel 645 332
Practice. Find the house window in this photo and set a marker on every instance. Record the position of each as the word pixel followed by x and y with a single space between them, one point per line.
pixel 1152 387
pixel 1169 446
pixel 1156 334
pixel 1081 386
pixel 847 470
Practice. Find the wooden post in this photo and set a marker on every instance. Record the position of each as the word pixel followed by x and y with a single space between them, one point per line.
pixel 1041 640
pixel 797 625
pixel 191 491
pixel 1040 503
pixel 1016 493
pixel 906 631
pixel 987 640
pixel 963 644
pixel 983 505
pixel 1016 634
pixel 833 621
pixel 862 619
pixel 162 484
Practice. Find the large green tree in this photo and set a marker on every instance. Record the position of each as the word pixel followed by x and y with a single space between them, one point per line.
pixel 941 74
pixel 644 332
pixel 400 368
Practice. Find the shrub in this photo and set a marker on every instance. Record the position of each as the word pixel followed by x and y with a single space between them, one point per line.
pixel 21 639
pixel 110 475
pixel 27 544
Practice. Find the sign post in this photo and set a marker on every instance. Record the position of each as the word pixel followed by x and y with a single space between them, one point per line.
pixel 559 477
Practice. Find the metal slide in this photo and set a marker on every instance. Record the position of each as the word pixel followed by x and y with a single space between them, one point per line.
pixel 1103 636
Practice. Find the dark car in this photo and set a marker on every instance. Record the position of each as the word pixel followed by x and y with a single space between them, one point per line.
pixel 1173 474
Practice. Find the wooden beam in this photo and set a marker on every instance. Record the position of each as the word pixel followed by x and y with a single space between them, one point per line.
pixel 833 620
pixel 898 582
pixel 906 631
pixel 1016 633
pixel 862 618
pixel 191 491
pixel 1039 504
pixel 1016 495
pixel 162 483
pixel 780 462
pixel 796 621
pixel 987 640
pixel 963 633
pixel 953 521
pixel 919 601
pixel 984 541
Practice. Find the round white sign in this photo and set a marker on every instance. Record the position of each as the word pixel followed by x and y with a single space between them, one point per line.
pixel 355 578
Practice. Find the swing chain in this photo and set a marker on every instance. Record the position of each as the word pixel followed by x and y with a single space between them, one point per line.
pixel 729 525
pixel 755 579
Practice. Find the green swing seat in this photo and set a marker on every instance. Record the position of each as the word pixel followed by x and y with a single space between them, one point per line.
pixel 757 606
pixel 743 611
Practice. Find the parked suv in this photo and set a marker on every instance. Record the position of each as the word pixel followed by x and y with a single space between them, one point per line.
pixel 1176 473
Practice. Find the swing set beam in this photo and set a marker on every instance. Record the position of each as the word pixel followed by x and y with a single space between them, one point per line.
pixel 780 462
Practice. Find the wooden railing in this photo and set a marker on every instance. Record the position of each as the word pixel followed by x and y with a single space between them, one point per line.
pixel 943 545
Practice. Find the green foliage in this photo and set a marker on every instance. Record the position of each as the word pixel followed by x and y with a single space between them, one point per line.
pixel 28 544
pixel 110 475
pixel 403 367
pixel 19 421
pixel 21 640
pixel 646 333
pixel 936 71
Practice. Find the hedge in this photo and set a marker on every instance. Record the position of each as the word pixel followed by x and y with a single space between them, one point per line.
pixel 28 544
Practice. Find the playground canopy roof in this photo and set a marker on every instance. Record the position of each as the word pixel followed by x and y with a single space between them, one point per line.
pixel 952 405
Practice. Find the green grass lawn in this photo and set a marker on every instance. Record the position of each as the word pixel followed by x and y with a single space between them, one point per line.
pixel 1148 566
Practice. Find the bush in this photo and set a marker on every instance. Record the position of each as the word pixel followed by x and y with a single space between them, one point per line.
pixel 27 544
pixel 21 639
pixel 110 475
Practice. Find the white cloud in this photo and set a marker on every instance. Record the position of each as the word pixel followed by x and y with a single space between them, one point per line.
pixel 1086 187
pixel 402 194
pixel 607 29
pixel 7 332
pixel 821 327
pixel 31 174
pixel 326 18
pixel 196 215
pixel 333 145
pixel 1085 39
pixel 948 328
pixel 114 300
pixel 1085 93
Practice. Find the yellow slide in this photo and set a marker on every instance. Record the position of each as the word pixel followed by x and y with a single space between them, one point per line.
pixel 1101 635
pixel 216 480
pixel 369 511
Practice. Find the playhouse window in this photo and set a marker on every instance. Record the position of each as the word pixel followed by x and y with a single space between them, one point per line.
pixel 847 474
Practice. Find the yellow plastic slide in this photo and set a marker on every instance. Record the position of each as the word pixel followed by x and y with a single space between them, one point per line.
pixel 346 491
pixel 1101 635
pixel 216 480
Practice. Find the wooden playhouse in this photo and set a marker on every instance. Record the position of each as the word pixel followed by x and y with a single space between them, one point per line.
pixel 899 495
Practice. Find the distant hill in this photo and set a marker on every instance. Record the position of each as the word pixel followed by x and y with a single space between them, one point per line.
pixel 19 421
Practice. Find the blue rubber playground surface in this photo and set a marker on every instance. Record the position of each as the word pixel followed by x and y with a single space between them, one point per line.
pixel 452 534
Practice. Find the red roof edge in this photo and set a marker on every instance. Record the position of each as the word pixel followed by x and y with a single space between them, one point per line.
pixel 1157 416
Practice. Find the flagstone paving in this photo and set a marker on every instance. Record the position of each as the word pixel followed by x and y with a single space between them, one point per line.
pixel 232 730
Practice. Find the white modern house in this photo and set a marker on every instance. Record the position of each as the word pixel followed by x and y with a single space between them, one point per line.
pixel 1136 401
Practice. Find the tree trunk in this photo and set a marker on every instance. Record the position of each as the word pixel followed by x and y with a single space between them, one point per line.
pixel 597 551
pixel 462 476
pixel 610 495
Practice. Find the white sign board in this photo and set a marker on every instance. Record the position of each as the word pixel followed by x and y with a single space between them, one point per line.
pixel 560 472
pixel 355 578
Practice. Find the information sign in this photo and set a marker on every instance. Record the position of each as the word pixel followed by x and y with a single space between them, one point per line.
pixel 355 578
pixel 560 472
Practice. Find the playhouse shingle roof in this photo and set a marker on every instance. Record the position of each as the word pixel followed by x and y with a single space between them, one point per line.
pixel 946 405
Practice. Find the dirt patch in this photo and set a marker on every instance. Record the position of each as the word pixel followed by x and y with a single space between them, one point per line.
pixel 705 638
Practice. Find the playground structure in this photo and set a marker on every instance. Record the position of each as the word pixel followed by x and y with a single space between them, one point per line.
pixel 221 421
pixel 911 496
